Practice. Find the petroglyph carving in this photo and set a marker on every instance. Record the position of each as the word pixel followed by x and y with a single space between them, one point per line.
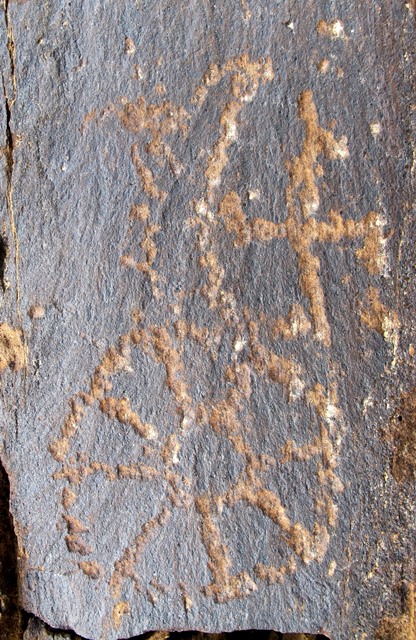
pixel 253 355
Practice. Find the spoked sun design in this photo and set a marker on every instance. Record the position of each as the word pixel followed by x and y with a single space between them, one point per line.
pixel 250 339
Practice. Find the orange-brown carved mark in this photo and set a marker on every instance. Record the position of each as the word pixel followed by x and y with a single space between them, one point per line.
pixel 69 498
pixel 372 253
pixel 159 120
pixel 323 66
pixel 146 176
pixel 36 312
pixel 302 235
pixel 76 545
pixel 380 318
pixel 224 586
pixel 277 368
pixel 91 569
pixel 215 277
pixel 169 355
pixel 246 77
pixel 124 568
pixel 75 525
pixel 120 408
pixel 207 338
pixel 235 219
pixel 334 29
pixel 308 546
pixel 297 324
pixel 76 474
pixel 244 86
pixel 120 609
pixel 246 9
pixel 114 361
pixel 245 231
pixel 272 575
pixel 137 471
pixel 403 627
pixel 13 352
pixel 141 213
pixel 303 186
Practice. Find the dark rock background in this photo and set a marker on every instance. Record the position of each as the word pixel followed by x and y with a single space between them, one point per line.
pixel 70 174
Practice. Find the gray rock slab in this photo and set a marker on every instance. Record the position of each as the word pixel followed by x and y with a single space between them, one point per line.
pixel 207 332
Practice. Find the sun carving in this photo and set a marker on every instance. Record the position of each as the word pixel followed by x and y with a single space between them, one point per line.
pixel 249 337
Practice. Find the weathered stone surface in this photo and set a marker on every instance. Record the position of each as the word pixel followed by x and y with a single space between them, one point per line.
pixel 207 332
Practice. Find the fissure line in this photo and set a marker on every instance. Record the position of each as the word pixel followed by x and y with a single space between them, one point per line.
pixel 9 150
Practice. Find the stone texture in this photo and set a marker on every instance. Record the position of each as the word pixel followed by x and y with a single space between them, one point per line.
pixel 207 332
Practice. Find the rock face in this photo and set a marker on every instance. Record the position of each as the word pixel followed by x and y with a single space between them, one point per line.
pixel 207 325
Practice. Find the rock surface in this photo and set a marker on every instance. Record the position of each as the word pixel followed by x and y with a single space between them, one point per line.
pixel 207 336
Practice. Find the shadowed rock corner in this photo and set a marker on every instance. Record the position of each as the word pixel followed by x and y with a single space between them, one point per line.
pixel 403 435
pixel 10 615
pixel 36 630
pixel 402 627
